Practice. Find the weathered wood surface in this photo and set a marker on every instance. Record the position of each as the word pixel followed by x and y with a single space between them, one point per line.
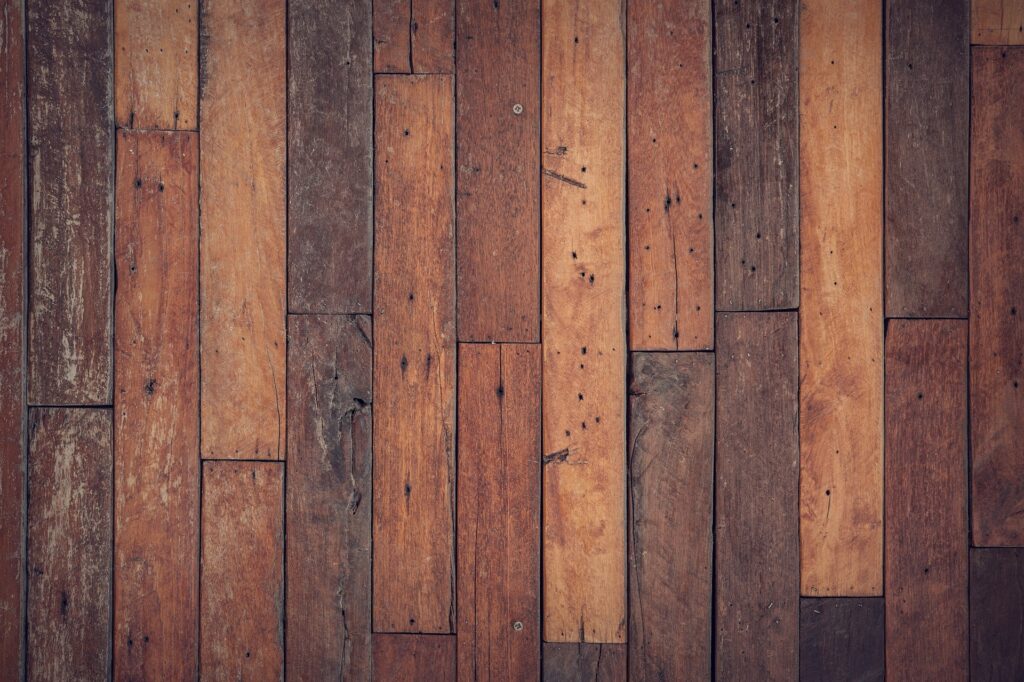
pixel 842 638
pixel 413 36
pixel 997 614
pixel 997 22
pixel 584 662
pixel 414 658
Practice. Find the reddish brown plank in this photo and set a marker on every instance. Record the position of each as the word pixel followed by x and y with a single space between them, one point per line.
pixel 414 658
pixel 997 22
pixel 584 662
pixel 391 44
pixel 997 614
pixel 413 36
pixel 842 638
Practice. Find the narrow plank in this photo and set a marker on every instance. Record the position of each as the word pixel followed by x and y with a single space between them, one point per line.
pixel 499 512
pixel 413 36
pixel 997 296
pixel 414 658
pixel 243 235
pixel 497 126
pixel 756 177
pixel 392 46
pixel 841 298
pixel 757 458
pixel 330 157
pixel 671 457
pixel 328 497
pixel 583 262
pixel 926 139
pixel 997 614
pixel 414 357
pixel 71 142
pixel 997 22
pixel 242 583
pixel 842 639
pixel 69 544
pixel 584 662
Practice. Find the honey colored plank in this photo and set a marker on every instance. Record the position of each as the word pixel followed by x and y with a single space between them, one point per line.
pixel 499 512
pixel 243 236
pixel 328 497
pixel 671 278
pixel 498 126
pixel 671 457
pixel 842 639
pixel 757 578
pixel 69 544
pixel 997 297
pixel 997 614
pixel 997 22
pixel 414 658
pixel 414 357
pixel 413 36
pixel 841 298
pixel 925 499
pixel 584 662
pixel 242 584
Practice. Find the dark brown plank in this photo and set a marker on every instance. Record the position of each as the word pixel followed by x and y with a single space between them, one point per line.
pixel 328 497
pixel 413 36
pixel 671 456
pixel 842 638
pixel 997 614
pixel 414 658
pixel 71 143
pixel 584 662
pixel 756 514
pixel 925 499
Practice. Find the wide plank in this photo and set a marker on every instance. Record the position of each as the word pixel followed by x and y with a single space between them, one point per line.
pixel 414 658
pixel 584 662
pixel 997 22
pixel 413 36
pixel 842 638
pixel 997 614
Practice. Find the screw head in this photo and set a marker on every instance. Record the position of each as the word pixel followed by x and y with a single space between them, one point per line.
pixel 517 626
pixel 517 109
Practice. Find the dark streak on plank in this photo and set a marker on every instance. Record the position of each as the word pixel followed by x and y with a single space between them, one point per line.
pixel 584 662
pixel 842 638
pixel 414 658
pixel 997 614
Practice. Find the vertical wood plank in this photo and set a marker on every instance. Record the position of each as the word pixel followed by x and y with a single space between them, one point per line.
pixel 584 662
pixel 392 48
pixel 499 180
pixel 757 460
pixel 414 658
pixel 69 544
pixel 671 456
pixel 842 639
pixel 413 36
pixel 997 614
pixel 997 22
pixel 414 356
pixel 328 497
pixel 841 298
pixel 156 406
pixel 243 235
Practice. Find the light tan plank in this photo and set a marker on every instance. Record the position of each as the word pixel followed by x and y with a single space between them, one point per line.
pixel 997 22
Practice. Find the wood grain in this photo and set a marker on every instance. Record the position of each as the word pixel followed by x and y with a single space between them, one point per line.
pixel 997 22
pixel 156 406
pixel 584 662
pixel 841 298
pixel 842 639
pixel 328 497
pixel 997 614
pixel 414 357
pixel 392 48
pixel 242 113
pixel 757 578
pixel 926 499
pixel 414 658
pixel 413 36
pixel 671 458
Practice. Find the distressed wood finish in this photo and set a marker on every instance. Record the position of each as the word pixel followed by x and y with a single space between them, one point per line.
pixel 584 662
pixel 414 658
pixel 413 36
pixel 842 639
pixel 997 614
pixel 997 22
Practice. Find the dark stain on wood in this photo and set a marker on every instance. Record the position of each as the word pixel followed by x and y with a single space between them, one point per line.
pixel 842 638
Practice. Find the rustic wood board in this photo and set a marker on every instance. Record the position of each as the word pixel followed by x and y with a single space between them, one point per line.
pixel 997 296
pixel 498 171
pixel 413 36
pixel 414 357
pixel 841 298
pixel 671 459
pixel 756 165
pixel 997 22
pixel 842 638
pixel 414 658
pixel 71 166
pixel 997 614
pixel 499 512
pixel 328 497
pixel 242 111
pixel 69 542
pixel 156 406
pixel 584 662
pixel 391 43
pixel 330 157
pixel 757 578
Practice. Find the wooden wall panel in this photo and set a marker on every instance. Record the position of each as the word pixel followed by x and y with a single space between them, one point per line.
pixel 671 278
pixel 997 614
pixel 413 36
pixel 842 639
pixel 414 356
pixel 414 658
pixel 997 22
pixel 584 662
pixel 841 298
pixel 671 459
pixel 756 558
pixel 243 236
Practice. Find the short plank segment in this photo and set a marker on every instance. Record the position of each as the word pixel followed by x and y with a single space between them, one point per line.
pixel 413 36
pixel 243 236
pixel 414 658
pixel 156 406
pixel 997 22
pixel 671 279
pixel 584 662
pixel 328 497
pixel 997 614
pixel 841 298
pixel 756 560
pixel 671 457
pixel 842 638
pixel 414 357
pixel 69 544
pixel 997 297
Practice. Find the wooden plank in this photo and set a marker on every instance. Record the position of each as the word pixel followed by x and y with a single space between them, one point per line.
pixel 499 512
pixel 671 457
pixel 71 143
pixel 583 263
pixel 925 499
pixel 156 74
pixel 498 125
pixel 156 403
pixel 414 658
pixel 926 139
pixel 584 662
pixel 841 298
pixel 328 497
pixel 69 544
pixel 997 614
pixel 997 22
pixel 842 639
pixel 756 166
pixel 242 583
pixel 997 297
pixel 391 44
pixel 757 453
pixel 413 36
pixel 243 236
pixel 414 357
pixel 330 157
